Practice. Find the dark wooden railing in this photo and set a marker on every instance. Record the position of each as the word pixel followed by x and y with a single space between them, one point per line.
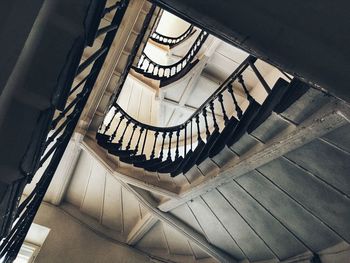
pixel 172 41
pixel 62 125
pixel 221 120
pixel 151 69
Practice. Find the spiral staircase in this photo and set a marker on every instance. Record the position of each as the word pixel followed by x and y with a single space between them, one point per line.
pixel 184 148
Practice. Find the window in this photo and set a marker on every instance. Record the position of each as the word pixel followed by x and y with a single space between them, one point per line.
pixel 27 253
pixel 32 244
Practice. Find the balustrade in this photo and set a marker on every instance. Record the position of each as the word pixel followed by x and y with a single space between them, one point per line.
pixel 172 41
pixel 210 139
pixel 62 127
pixel 152 69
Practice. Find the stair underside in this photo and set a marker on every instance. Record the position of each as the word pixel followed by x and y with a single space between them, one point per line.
pixel 276 125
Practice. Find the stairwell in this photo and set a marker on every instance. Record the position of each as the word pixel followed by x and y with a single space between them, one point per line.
pixel 245 188
pixel 264 179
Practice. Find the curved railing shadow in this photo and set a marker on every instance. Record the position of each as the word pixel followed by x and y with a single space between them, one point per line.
pixel 144 145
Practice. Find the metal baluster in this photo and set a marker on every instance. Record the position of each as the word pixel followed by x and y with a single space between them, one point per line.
pixel 169 148
pixel 237 108
pixel 177 144
pixel 284 74
pixel 19 235
pixel 261 79
pixel 221 100
pixel 154 144
pixel 191 133
pixel 199 138
pixel 111 8
pixel 116 110
pixel 185 145
pixel 92 73
pixel 122 137
pixel 241 81
pixel 91 59
pixel 63 113
pixel 206 123
pixel 138 141
pixel 142 58
pixel 116 129
pixel 60 128
pixel 131 136
pixel 211 105
pixel 106 29
pixel 162 148
pixel 144 142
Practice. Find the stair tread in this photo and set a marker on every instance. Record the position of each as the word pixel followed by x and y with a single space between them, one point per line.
pixel 279 89
pixel 296 89
pixel 244 122
pixel 310 102
pixel 131 159
pixel 147 163
pixel 191 161
pixel 108 145
pixel 121 153
pixel 271 127
pixel 171 167
pixel 209 144
pixel 244 144
pixel 221 140
pixel 182 164
pixel 102 137
pixel 154 168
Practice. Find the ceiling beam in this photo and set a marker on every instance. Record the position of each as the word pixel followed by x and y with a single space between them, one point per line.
pixel 332 116
pixel 141 228
pixel 187 108
pixel 151 205
pixel 213 80
pixel 193 82
pixel 212 46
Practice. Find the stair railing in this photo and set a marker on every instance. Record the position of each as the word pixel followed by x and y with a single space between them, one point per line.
pixel 172 41
pixel 152 69
pixel 61 129
pixel 219 121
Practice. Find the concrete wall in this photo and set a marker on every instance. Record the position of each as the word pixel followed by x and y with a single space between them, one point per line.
pixel 71 241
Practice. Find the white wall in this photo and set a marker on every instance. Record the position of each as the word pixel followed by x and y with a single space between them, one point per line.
pixel 71 241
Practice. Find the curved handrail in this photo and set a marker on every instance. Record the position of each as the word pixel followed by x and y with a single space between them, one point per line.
pixel 151 69
pixel 132 150
pixel 237 72
pixel 172 41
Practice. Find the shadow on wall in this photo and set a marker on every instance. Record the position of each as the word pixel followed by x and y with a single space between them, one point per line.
pixel 69 241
